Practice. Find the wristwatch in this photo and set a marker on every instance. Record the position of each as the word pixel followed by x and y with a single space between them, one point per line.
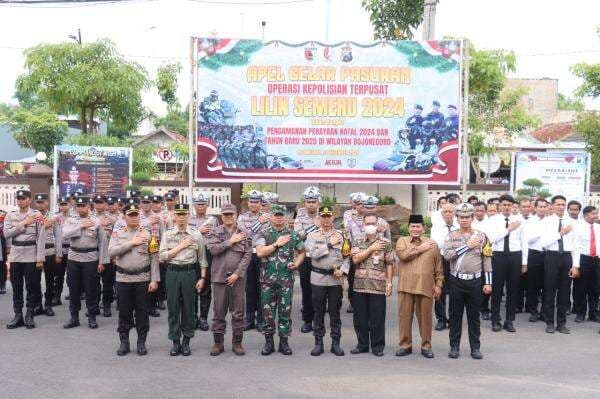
pixel 275 246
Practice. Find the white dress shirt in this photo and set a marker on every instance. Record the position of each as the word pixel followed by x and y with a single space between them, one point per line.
pixel 479 225
pixel 533 232
pixel 440 231
pixel 584 230
pixel 551 236
pixel 497 230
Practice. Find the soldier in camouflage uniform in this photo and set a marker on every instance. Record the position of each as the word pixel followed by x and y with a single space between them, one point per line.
pixel 307 221
pixel 204 224
pixel 282 251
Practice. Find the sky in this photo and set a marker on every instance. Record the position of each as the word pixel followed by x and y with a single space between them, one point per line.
pixel 548 36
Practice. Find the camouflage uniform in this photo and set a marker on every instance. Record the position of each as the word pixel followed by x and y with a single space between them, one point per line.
pixel 277 281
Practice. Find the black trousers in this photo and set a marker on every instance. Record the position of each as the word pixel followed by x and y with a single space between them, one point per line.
pixel 369 320
pixel 205 296
pixel 440 304
pixel 253 306
pixel 59 275
pixel 49 278
pixel 522 294
pixel 351 271
pixel 134 297
pixel 327 299
pixel 485 303
pixel 161 293
pixel 108 281
pixel 535 281
pixel 465 294
pixel 557 286
pixel 307 304
pixel 3 273
pixel 586 286
pixel 506 270
pixel 37 288
pixel 82 276
pixel 23 272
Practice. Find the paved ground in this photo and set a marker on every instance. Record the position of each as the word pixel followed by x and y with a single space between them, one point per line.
pixel 51 362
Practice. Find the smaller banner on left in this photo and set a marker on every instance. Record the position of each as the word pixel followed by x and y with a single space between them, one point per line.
pixel 92 170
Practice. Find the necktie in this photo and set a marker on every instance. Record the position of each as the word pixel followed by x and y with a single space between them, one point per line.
pixel 561 246
pixel 449 228
pixel 592 241
pixel 506 238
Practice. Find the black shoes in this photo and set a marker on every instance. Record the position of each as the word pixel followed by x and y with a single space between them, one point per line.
pixel 92 322
pixel 284 347
pixel 403 352
pixel 563 329
pixel 73 322
pixel 378 352
pixel 318 349
pixel 508 326
pixel 441 325
pixel 2 289
pixel 485 315
pixel 161 305
pixel 38 311
pixel 496 326
pixel 16 322
pixel 106 312
pixel 49 312
pixel 269 346
pixel 476 354
pixel 358 350
pixel 29 323
pixel 141 347
pixel 185 347
pixel 454 353
pixel 56 302
pixel 306 328
pixel 550 328
pixel 350 309
pixel 249 326
pixel 335 347
pixel 427 353
pixel 154 312
pixel 579 318
pixel 124 346
pixel 533 318
pixel 202 324
pixel 176 348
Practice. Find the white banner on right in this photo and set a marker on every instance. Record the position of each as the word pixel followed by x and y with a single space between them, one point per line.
pixel 565 173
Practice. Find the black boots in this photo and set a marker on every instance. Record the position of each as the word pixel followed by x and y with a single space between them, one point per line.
pixel 318 349
pixel 106 311
pixel 306 328
pixel 73 321
pixel 92 322
pixel 185 347
pixel 141 345
pixel 269 346
pixel 284 347
pixel 49 312
pixel 202 324
pixel 29 319
pixel 335 347
pixel 16 322
pixel 154 312
pixel 124 347
pixel 176 349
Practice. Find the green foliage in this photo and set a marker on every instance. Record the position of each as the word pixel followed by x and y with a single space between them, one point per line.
pixel 87 80
pixel 97 140
pixel 37 128
pixel 133 187
pixel 387 200
pixel 239 55
pixel 140 177
pixel 569 104
pixel 146 191
pixel 532 188
pixel 255 186
pixel 590 74
pixel 588 125
pixel 6 110
pixel 404 228
pixel 166 83
pixel 176 120
pixel 394 19
pixel 143 161
pixel 328 201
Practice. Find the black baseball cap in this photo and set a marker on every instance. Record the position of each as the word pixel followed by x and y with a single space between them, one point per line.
pixel 41 197
pixel 23 194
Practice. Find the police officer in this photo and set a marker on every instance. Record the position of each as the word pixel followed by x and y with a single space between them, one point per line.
pixel 24 229
pixel 469 254
pixel 158 297
pixel 451 124
pixel 53 251
pixel 282 252
pixel 167 214
pixel 87 257
pixel 183 249
pixel 64 209
pixel 252 223
pixel 231 251
pixel 107 277
pixel 268 199
pixel 355 203
pixel 435 117
pixel 154 223
pixel 307 221
pixel 325 247
pixel 414 124
pixel 137 277
pixel 203 223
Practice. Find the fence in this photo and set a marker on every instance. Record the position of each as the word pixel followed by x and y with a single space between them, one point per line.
pixel 8 200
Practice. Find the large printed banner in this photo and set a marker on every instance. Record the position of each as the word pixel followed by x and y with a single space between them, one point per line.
pixel 563 173
pixel 91 170
pixel 386 112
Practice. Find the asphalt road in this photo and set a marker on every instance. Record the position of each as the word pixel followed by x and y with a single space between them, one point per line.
pixel 51 362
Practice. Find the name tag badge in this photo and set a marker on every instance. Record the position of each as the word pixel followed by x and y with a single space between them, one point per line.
pixel 376 260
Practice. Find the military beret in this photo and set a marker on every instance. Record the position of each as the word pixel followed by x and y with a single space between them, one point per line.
pixel 326 211
pixel 370 201
pixel 131 208
pixel 23 194
pixel 465 209
pixel 254 195
pixel 182 208
pixel 278 210
pixel 99 198
pixel 41 196
pixel 63 200
pixel 82 199
pixel 202 198
pixel 228 208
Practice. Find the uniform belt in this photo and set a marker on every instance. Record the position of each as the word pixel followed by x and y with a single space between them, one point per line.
pixel 591 258
pixel 466 276
pixel 181 268
pixel 133 272
pixel 535 251
pixel 321 271
pixel 49 245
pixel 509 252
pixel 24 243
pixel 559 253
pixel 84 250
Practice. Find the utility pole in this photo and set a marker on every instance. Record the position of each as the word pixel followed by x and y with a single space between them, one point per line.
pixel 419 191
pixel 78 37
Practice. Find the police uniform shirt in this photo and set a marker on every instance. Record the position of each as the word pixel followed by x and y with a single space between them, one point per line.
pixel 465 260
pixel 156 229
pixel 248 223
pixel 305 222
pixel 356 230
pixel 93 237
pixel 53 242
pixel 16 232
pixel 207 220
pixel 550 236
pixel 349 215
pixel 133 258
pixel 324 255
pixel 194 253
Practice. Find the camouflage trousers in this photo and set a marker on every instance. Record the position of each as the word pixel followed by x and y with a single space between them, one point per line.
pixel 276 298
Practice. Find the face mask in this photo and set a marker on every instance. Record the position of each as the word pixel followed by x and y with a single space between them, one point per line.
pixel 370 229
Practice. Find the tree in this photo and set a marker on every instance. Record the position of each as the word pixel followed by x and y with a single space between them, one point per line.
pixel 569 104
pixel 176 119
pixel 533 188
pixel 166 83
pixel 394 19
pixel 587 124
pixel 36 128
pixel 590 74
pixel 87 80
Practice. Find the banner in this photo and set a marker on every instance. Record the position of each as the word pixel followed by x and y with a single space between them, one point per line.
pixel 91 170
pixel 386 112
pixel 564 173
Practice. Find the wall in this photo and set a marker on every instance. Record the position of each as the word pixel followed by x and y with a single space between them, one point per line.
pixel 542 98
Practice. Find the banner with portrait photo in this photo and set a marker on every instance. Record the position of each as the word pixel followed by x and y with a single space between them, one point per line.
pixel 386 112
pixel 91 170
